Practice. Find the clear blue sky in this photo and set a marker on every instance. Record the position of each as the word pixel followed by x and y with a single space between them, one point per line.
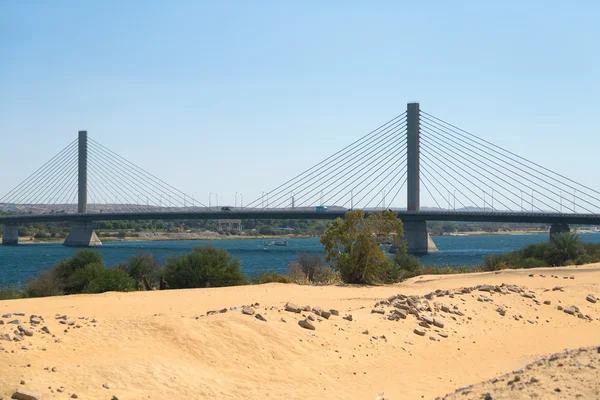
pixel 238 96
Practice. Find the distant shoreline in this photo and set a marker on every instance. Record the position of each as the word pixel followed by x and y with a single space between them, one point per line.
pixel 188 236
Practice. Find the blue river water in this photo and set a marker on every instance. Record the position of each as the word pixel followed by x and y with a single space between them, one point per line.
pixel 17 263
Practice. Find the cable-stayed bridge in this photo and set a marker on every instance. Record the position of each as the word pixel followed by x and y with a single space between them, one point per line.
pixel 413 159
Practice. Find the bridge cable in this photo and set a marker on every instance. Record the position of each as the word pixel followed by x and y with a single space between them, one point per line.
pixel 364 153
pixel 353 177
pixel 140 185
pixel 52 160
pixel 513 154
pixel 401 166
pixel 367 147
pixel 428 191
pixel 141 182
pixel 386 155
pixel 398 191
pixel 487 171
pixel 24 190
pixel 37 193
pixel 142 171
pixel 424 173
pixel 376 131
pixel 441 136
pixel 451 184
pixel 437 152
pixel 479 149
pixel 393 154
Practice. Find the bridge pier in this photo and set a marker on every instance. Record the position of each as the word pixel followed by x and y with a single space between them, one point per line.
pixel 82 235
pixel 559 228
pixel 10 234
pixel 418 239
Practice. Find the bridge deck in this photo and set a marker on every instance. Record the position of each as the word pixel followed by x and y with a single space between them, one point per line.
pixel 544 218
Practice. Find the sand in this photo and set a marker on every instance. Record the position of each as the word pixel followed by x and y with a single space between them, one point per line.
pixel 162 345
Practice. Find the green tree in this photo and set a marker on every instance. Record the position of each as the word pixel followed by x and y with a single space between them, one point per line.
pixel 203 267
pixel 564 247
pixel 142 265
pixel 110 280
pixel 354 245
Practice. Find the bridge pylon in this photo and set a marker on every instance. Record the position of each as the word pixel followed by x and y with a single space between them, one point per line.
pixel 418 239
pixel 82 233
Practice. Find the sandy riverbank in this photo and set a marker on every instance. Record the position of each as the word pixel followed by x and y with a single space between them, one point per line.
pixel 158 345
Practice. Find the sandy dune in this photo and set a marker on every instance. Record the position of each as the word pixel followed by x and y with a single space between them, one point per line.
pixel 159 345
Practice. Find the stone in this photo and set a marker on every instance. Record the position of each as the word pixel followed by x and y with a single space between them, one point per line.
pixel 443 334
pixel 424 324
pixel 317 310
pixel 25 331
pixel 378 311
pixel 260 318
pixel 73 396
pixel 438 322
pixel 334 312
pixel 348 317
pixel 401 313
pixel 106 386
pixel 485 288
pixel 15 322
pixel 445 308
pixel 291 307
pixel 7 336
pixel 248 310
pixel 22 394
pixel 19 314
pixel 392 298
pixel 6 315
pixel 528 295
pixel 46 330
pixel 306 324
pixel 325 314
pixel 570 310
pixel 310 317
pixel 35 321
pixel 547 302
pixel 591 298
pixel 419 331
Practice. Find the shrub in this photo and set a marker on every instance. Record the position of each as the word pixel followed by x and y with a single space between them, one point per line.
pixel 563 247
pixel 142 265
pixel 269 277
pixel 9 292
pixel 83 276
pixel 353 244
pixel 494 262
pixel 61 278
pixel 46 284
pixel 310 264
pixel 533 263
pixel 203 267
pixel 110 280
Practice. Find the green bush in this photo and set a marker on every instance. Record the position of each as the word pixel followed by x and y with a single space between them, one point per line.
pixel 563 247
pixel 203 267
pixel 533 263
pixel 110 280
pixel 142 265
pixel 83 276
pixel 8 292
pixel 45 284
pixel 269 277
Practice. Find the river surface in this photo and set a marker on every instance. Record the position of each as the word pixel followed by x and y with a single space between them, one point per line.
pixel 17 263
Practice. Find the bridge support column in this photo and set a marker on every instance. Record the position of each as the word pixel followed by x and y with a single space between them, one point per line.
pixel 415 232
pixel 559 228
pixel 82 235
pixel 418 240
pixel 10 234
